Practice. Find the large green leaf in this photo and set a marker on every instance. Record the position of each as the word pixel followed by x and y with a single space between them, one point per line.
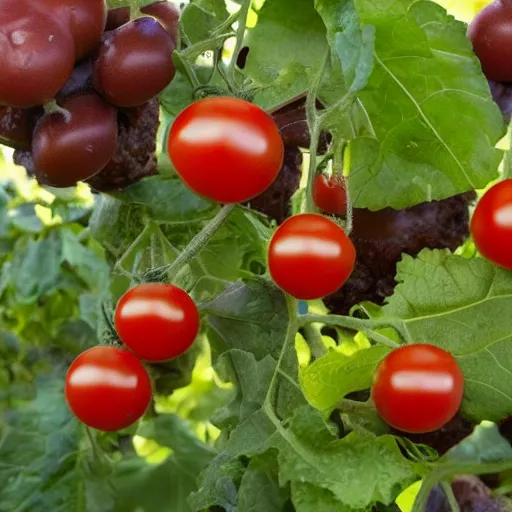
pixel 426 85
pixel 464 307
pixel 286 50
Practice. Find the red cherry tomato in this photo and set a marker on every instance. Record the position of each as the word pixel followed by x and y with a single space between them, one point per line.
pixel 310 256
pixel 226 149
pixel 418 388
pixel 157 321
pixel 491 224
pixel 107 388
pixel 329 194
pixel 491 36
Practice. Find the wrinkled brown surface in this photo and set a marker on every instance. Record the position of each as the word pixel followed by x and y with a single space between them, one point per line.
pixel 135 154
pixel 275 201
pixel 134 158
pixel 381 237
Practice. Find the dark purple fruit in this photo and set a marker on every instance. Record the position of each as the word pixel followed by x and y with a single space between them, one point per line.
pixel 134 63
pixel 72 147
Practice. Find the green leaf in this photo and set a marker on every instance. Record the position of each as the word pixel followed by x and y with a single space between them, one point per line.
pixel 259 489
pixel 359 470
pixel 464 307
pixel 250 316
pixel 201 17
pixel 333 376
pixel 310 498
pixel 163 487
pixel 352 46
pixel 295 28
pixel 88 264
pixel 115 224
pixel 485 444
pixel 218 485
pixel 24 218
pixel 35 268
pixel 167 200
pixel 48 473
pixel 417 151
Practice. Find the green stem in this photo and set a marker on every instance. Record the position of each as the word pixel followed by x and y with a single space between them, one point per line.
pixel 507 161
pixel 189 70
pixel 450 497
pixel 356 324
pixel 195 246
pixel 53 108
pixel 314 125
pixel 314 340
pixel 240 33
pixel 288 341
pixel 315 137
pixel 347 406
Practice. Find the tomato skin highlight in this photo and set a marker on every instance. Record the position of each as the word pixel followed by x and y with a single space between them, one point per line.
pixel 418 388
pixel 491 224
pixel 157 321
pixel 329 194
pixel 491 36
pixel 226 149
pixel 310 256
pixel 107 388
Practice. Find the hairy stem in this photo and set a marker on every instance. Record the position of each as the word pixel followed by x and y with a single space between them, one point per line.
pixel 194 247
pixel 314 340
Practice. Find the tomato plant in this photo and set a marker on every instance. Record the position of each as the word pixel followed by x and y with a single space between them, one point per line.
pixel 310 256
pixel 418 388
pixel 157 321
pixel 225 149
pixel 330 195
pixel 107 388
pixel 239 330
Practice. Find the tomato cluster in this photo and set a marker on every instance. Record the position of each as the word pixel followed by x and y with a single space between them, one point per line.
pixel 58 54
pixel 107 387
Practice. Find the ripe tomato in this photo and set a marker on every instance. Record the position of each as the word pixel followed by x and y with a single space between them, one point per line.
pixel 157 321
pixel 418 388
pixel 329 194
pixel 310 256
pixel 491 36
pixel 226 149
pixel 491 224
pixel 107 388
